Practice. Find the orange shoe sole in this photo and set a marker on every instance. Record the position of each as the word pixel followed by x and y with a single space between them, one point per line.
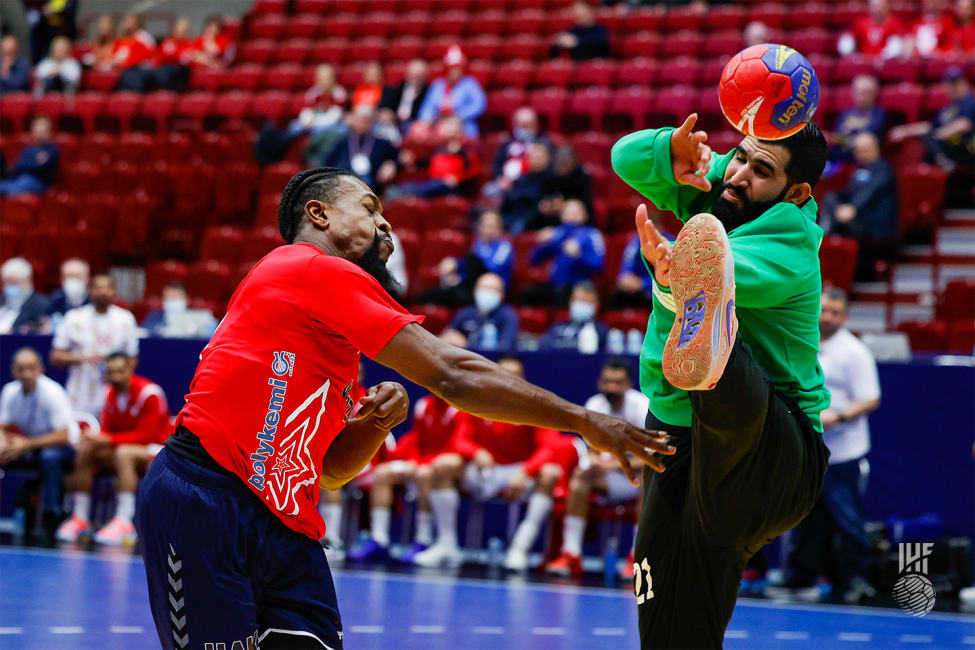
pixel 702 281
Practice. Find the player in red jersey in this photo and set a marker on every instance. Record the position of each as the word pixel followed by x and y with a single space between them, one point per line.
pixel 227 511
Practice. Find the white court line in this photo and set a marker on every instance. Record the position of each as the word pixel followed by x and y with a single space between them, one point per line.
pixel 736 634
pixel 608 631
pixel 11 630
pixel 125 629
pixel 70 629
pixel 366 629
pixel 968 640
pixel 915 638
pixel 854 636
pixel 426 629
pixel 487 630
pixel 792 636
pixel 548 631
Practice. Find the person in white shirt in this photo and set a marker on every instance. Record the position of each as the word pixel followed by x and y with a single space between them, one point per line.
pixel 851 377
pixel 616 397
pixel 59 72
pixel 86 336
pixel 37 427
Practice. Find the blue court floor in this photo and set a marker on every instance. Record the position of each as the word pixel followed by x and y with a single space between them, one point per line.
pixel 69 600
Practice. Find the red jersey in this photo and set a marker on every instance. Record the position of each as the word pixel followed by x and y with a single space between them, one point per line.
pixel 174 51
pixel 459 165
pixel 138 417
pixel 274 385
pixel 871 38
pixel 508 443
pixel 963 39
pixel 133 50
pixel 932 35
pixel 216 47
pixel 434 427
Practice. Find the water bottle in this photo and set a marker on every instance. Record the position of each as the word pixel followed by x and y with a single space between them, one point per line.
pixel 615 341
pixel 489 337
pixel 609 567
pixel 588 339
pixel 495 552
pixel 634 342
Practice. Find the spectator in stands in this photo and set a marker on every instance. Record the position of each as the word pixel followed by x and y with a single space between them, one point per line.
pixel 851 376
pixel 586 39
pixel 511 158
pixel 633 287
pixel 520 203
pixel 48 20
pixel 321 119
pixel 14 69
pixel 86 337
pixel 134 426
pixel 22 310
pixel 616 397
pixel 73 292
pixel 756 33
pixel 931 35
pixel 455 94
pixel 370 88
pixel 451 168
pixel 59 72
pixel 963 34
pixel 577 253
pixel 401 104
pixel 866 209
pixel 492 459
pixel 214 48
pixel 567 181
pixel 102 54
pixel 133 54
pixel 326 93
pixel 865 116
pixel 949 140
pixel 37 165
pixel 582 331
pixel 489 324
pixel 175 54
pixel 363 150
pixel 176 320
pixel 880 34
pixel 36 427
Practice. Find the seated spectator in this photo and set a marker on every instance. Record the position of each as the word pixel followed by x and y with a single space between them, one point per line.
pixel 511 158
pixel 568 181
pixel 133 53
pixel 489 324
pixel 37 426
pixel 451 167
pixel 757 33
pixel 37 165
pixel 866 209
pixel 949 140
pixel 214 48
pixel 174 56
pixel 582 331
pixel 22 310
pixel 14 69
pixel 633 287
pixel 454 94
pixel 963 34
pixel 401 103
pixel 519 206
pixel 865 116
pixel 577 253
pixel 176 320
pixel 73 292
pixel 370 89
pixel 879 34
pixel 135 424
pixel 59 72
pixel 931 35
pixel 586 39
pixel 326 94
pixel 102 53
pixel 494 459
pixel 321 119
pixel 363 151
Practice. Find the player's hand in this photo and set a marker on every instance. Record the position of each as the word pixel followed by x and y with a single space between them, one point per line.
pixel 387 403
pixel 689 156
pixel 617 436
pixel 829 418
pixel 15 446
pixel 656 250
pixel 517 485
pixel 483 459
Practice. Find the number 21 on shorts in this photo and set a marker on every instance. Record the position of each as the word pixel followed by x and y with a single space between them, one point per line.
pixel 644 592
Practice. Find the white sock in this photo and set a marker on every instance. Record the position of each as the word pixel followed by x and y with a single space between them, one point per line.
pixel 82 502
pixel 445 504
pixel 424 527
pixel 573 530
pixel 539 507
pixel 125 509
pixel 332 514
pixel 379 526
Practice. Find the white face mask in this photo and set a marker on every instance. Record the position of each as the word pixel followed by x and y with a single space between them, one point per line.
pixel 174 306
pixel 581 312
pixel 487 300
pixel 74 289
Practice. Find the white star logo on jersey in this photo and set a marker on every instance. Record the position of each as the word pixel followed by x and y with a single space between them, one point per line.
pixel 294 467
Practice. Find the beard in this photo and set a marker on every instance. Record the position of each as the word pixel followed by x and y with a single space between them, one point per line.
pixel 373 264
pixel 731 216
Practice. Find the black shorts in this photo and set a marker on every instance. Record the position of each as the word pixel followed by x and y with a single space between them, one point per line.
pixel 748 469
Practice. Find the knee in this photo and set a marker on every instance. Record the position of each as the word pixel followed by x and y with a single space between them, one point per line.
pixel 447 465
pixel 424 474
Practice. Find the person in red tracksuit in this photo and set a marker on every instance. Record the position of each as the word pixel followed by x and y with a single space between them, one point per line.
pixel 134 426
pixel 492 459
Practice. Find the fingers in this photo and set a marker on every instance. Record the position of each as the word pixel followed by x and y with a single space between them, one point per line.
pixel 627 469
pixel 688 125
pixel 372 400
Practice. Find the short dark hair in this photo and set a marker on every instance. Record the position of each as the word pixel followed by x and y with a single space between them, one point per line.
pixel 117 355
pixel 587 286
pixel 319 184
pixel 175 284
pixel 26 350
pixel 835 293
pixel 807 155
pixel 103 275
pixel 619 364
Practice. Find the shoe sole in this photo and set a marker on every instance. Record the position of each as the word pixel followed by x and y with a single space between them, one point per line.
pixel 702 281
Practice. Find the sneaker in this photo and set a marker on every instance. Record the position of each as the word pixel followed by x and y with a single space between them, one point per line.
pixel 412 552
pixel 116 533
pixel 967 596
pixel 626 571
pixel 516 560
pixel 565 565
pixel 370 551
pixel 702 272
pixel 859 589
pixel 72 529
pixel 439 555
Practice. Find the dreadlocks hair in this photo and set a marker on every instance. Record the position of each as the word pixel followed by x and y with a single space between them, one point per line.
pixel 320 184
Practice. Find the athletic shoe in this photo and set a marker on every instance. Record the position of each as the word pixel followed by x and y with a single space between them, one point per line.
pixel 859 589
pixel 967 596
pixel 412 552
pixel 702 281
pixel 626 571
pixel 516 560
pixel 72 529
pixel 370 551
pixel 808 594
pixel 116 533
pixel 439 555
pixel 565 565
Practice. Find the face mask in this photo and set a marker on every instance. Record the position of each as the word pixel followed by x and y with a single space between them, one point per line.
pixel 12 292
pixel 174 306
pixel 523 135
pixel 581 312
pixel 74 289
pixel 487 300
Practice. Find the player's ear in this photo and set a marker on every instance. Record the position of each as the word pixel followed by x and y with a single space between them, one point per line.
pixel 798 193
pixel 317 213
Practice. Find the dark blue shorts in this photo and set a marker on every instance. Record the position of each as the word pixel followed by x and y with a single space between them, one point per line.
pixel 224 570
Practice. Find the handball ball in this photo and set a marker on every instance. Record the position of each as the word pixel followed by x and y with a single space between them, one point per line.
pixel 768 91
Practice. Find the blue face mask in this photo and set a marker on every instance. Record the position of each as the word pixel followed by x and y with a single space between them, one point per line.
pixel 12 292
pixel 581 312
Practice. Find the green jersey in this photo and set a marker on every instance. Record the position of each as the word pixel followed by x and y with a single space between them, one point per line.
pixel 777 281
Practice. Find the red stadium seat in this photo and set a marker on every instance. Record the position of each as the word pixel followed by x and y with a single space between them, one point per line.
pixel 259 241
pixel 275 177
pixel 132 232
pixel 319 7
pixel 156 180
pixel 285 77
pixel 99 148
pixel 628 110
pixel 270 105
pixel 515 74
pixel 449 212
pixel 306 26
pixel 436 48
pixel 270 26
pixel 85 108
pixel 529 21
pixel 711 71
pixel 501 104
pixel 331 50
pixel 524 46
pixel 118 112
pixel 193 190
pixel 265 7
pixel 492 5
pixel 295 50
pixel 50 105
pixel 10 238
pixel 648 19
pixel 724 17
pixel 838 260
pixel 376 24
pixel 852 66
pixel 813 41
pixel 39 245
pixel 549 104
pixel 371 48
pixel 680 71
pixel 99 212
pixel 920 190
pixel 79 179
pixel 102 81
pixel 405 48
pixel 681 44
pixel 259 51
pixel 593 148
pixel 961 337
pixel 409 213
pixel 534 320
pixel 627 319
pixel 57 210
pixel 487 22
pixel 209 280
pixel 898 70
pixel 585 109
pixel 436 317
pixel 14 109
pixel 641 71
pixel 437 245
pixel 78 240
pixel 155 111
pixel 415 24
pixel 120 178
pixel 192 108
pixel 410 243
pixel 686 18
pixel 340 25
pixel 175 147
pixel 267 210
pixel 672 105
pixel 723 43
pixel 206 78
pixel 925 337
pixel 773 15
pixel 599 72
pixel 234 186
pixel 20 210
pixel 482 47
pixel 902 102
pixel 222 243
pixel 557 73
pixel 807 15
pixel 957 302
pixel 641 44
